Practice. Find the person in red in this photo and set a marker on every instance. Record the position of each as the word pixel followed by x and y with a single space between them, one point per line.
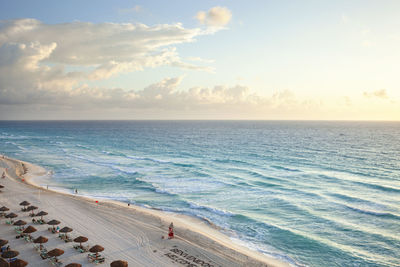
pixel 171 231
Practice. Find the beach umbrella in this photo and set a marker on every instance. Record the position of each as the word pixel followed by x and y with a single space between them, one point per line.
pixel 41 214
pixel 66 230
pixel 1 186
pixel 24 203
pixel 11 215
pixel 96 249
pixel 3 209
pixel 40 240
pixel 73 265
pixel 4 263
pixel 55 252
pixel 80 240
pixel 3 242
pixel 53 222
pixel 10 254
pixel 30 229
pixel 18 263
pixel 32 208
pixel 19 223
pixel 119 263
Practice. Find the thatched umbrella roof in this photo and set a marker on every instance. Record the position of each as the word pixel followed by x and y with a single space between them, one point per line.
pixel 55 252
pixel 81 239
pixel 3 242
pixel 24 203
pixel 10 254
pixel 4 263
pixel 96 249
pixel 53 222
pixel 73 265
pixel 20 223
pixel 41 213
pixel 66 229
pixel 119 263
pixel 30 229
pixel 31 208
pixel 18 263
pixel 1 186
pixel 4 208
pixel 11 215
pixel 40 240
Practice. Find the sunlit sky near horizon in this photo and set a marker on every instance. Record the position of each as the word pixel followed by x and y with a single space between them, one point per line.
pixel 309 60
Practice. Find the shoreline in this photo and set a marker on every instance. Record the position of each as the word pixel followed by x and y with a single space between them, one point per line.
pixel 192 233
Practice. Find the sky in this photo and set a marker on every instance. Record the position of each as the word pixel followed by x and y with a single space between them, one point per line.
pixel 217 59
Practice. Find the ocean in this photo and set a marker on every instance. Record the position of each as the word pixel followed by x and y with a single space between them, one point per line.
pixel 309 193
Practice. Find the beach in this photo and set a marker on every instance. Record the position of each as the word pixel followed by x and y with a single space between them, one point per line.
pixel 131 233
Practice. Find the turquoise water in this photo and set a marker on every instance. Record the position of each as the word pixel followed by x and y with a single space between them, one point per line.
pixel 309 193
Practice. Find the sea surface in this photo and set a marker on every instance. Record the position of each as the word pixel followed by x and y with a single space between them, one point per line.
pixel 309 193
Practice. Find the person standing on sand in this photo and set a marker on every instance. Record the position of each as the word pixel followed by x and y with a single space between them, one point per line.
pixel 171 231
pixel 3 175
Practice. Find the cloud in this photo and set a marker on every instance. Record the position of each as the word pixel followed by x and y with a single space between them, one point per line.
pixel 382 94
pixel 215 17
pixel 106 48
pixel 135 9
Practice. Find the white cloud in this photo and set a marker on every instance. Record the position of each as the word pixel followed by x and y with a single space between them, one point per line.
pixel 377 94
pixel 215 17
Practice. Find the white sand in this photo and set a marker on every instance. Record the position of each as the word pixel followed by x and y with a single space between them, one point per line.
pixel 127 233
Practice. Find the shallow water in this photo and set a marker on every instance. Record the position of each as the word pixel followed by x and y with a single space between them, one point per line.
pixel 310 193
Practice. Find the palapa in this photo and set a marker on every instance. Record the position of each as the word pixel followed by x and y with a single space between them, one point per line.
pixel 4 208
pixel 66 229
pixel 19 223
pixel 53 222
pixel 3 242
pixel 55 252
pixel 119 263
pixel 40 240
pixel 11 215
pixel 80 240
pixel 73 265
pixel 10 254
pixel 30 229
pixel 18 263
pixel 24 203
pixel 96 249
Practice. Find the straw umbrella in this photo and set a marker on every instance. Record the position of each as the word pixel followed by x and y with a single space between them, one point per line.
pixel 53 222
pixel 20 223
pixel 80 240
pixel 18 263
pixel 24 203
pixel 41 214
pixel 55 253
pixel 3 242
pixel 10 254
pixel 32 208
pixel 4 263
pixel 66 230
pixel 119 263
pixel 29 230
pixel 40 240
pixel 73 265
pixel 11 216
pixel 1 186
pixel 96 249
pixel 4 209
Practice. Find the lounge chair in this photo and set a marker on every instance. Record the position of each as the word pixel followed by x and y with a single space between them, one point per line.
pixel 55 262
pixel 44 255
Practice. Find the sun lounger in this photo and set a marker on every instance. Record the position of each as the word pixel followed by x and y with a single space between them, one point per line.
pixel 82 249
pixel 44 255
pixel 55 263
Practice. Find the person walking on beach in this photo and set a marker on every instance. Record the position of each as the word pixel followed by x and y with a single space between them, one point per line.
pixel 3 175
pixel 171 231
